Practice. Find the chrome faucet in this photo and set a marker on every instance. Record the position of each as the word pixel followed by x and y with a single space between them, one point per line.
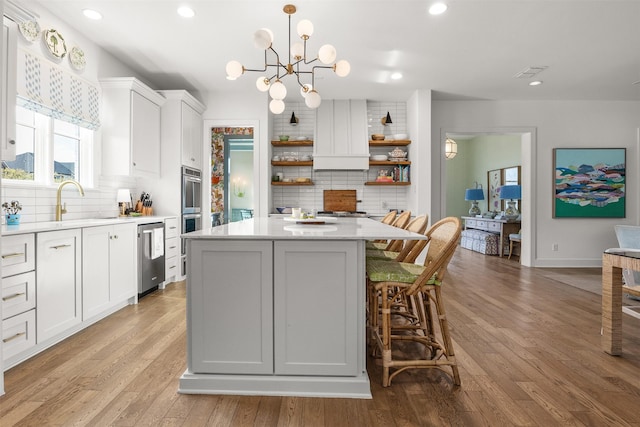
pixel 63 209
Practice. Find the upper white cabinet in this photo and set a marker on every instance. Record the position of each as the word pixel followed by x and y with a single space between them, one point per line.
pixel 130 128
pixel 8 93
pixel 182 122
pixel 341 140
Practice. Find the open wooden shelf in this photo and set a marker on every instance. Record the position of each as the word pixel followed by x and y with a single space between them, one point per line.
pixel 290 183
pixel 387 183
pixel 293 143
pixel 388 163
pixel 294 163
pixel 389 142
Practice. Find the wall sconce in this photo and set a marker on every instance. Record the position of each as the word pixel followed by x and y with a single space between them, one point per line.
pixel 123 197
pixel 294 120
pixel 386 120
pixel 473 195
pixel 239 187
pixel 450 148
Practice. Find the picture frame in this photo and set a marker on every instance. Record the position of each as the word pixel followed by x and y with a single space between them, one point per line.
pixel 589 182
pixel 494 181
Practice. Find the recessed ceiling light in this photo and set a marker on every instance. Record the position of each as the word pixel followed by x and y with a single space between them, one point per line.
pixel 396 76
pixel 535 83
pixel 92 14
pixel 186 12
pixel 437 8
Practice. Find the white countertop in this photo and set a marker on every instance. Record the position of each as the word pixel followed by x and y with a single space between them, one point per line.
pixel 37 227
pixel 274 228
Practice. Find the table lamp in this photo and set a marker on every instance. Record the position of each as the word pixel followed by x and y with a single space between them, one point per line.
pixel 511 192
pixel 123 197
pixel 473 195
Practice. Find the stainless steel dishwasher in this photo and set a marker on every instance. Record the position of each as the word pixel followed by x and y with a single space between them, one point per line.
pixel 150 257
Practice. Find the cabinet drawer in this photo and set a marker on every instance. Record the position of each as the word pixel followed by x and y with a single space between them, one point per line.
pixel 493 226
pixel 18 334
pixel 18 294
pixel 171 267
pixel 480 224
pixel 171 227
pixel 18 254
pixel 471 223
pixel 172 247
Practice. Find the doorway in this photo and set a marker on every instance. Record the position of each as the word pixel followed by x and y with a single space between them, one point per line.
pixel 526 139
pixel 231 174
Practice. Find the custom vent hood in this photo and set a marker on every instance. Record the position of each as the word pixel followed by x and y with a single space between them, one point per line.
pixel 341 140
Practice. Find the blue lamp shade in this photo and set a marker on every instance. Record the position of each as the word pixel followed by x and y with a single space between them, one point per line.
pixel 511 192
pixel 474 194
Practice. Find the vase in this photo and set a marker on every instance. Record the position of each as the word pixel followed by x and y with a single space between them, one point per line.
pixel 13 219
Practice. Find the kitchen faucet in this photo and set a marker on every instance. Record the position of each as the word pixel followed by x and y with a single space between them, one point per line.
pixel 63 209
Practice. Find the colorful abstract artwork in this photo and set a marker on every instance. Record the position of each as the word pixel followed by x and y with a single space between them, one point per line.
pixel 217 172
pixel 589 182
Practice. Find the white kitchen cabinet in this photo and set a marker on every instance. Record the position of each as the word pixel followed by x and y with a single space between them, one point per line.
pixel 314 295
pixel 58 282
pixel 130 128
pixel 233 280
pixel 18 254
pixel 8 93
pixel 18 334
pixel 341 140
pixel 182 122
pixel 172 250
pixel 108 267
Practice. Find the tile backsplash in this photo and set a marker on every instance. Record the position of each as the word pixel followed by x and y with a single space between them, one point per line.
pixel 376 200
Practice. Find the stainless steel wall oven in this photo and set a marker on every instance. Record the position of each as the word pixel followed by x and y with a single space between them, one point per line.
pixel 191 190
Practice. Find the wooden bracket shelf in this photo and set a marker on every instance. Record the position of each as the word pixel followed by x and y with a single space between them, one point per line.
pixel 293 163
pixel 293 143
pixel 291 183
pixel 388 163
pixel 401 183
pixel 389 142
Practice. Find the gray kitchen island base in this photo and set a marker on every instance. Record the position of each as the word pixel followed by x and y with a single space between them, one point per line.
pixel 272 311
pixel 257 385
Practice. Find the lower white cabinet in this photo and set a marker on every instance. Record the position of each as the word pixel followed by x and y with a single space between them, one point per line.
pixel 18 334
pixel 58 282
pixel 108 267
pixel 171 250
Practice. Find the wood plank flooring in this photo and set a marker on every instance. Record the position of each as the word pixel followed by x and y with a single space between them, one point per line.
pixel 528 346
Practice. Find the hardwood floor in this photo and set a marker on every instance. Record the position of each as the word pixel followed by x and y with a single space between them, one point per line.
pixel 528 346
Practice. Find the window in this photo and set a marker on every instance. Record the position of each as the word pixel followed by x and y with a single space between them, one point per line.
pixel 49 151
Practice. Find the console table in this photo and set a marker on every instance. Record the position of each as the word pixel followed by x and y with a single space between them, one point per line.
pixel 503 227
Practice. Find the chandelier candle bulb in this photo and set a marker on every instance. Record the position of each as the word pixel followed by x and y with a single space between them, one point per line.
pixel 296 61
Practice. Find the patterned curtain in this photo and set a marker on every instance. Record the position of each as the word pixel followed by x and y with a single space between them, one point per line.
pixel 51 90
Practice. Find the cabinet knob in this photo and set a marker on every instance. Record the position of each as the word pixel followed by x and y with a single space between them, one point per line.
pixel 12 142
pixel 134 163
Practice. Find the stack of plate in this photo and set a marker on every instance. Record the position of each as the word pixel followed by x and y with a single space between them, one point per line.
pixel 379 157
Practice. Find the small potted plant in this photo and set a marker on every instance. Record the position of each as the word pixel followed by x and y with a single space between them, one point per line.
pixel 11 211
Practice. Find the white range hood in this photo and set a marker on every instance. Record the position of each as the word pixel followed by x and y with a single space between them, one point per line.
pixel 341 139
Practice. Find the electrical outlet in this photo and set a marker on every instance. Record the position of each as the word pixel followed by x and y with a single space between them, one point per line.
pixel 554 247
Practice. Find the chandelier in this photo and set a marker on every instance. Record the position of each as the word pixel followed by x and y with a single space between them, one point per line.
pixel 297 60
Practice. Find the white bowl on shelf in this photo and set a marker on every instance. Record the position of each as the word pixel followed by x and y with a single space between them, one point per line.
pixel 400 136
pixel 379 157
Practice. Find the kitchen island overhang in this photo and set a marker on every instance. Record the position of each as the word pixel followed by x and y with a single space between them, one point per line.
pixel 276 310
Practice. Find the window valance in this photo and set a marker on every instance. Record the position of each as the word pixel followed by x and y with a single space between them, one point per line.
pixel 44 87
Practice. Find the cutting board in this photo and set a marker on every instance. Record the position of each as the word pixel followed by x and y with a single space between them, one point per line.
pixel 340 200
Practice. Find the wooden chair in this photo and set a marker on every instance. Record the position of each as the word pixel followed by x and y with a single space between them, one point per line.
pixel 410 251
pixel 390 282
pixel 387 219
pixel 515 239
pixel 401 221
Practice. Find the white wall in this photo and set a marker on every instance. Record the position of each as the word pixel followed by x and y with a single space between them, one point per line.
pixel 558 124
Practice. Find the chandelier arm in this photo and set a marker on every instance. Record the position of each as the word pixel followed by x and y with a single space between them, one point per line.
pixel 278 63
pixel 304 58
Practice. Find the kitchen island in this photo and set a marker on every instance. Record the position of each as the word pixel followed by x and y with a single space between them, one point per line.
pixel 278 308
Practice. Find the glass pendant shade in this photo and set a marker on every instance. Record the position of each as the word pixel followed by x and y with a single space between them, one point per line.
pixel 262 84
pixel 234 69
pixel 313 99
pixel 327 54
pixel 297 50
pixel 342 68
pixel 304 92
pixel 276 106
pixel 263 38
pixel 305 28
pixel 278 90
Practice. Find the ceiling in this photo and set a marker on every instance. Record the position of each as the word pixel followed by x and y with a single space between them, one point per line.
pixel 472 51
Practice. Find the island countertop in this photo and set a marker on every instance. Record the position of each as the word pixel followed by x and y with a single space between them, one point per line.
pixel 263 228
